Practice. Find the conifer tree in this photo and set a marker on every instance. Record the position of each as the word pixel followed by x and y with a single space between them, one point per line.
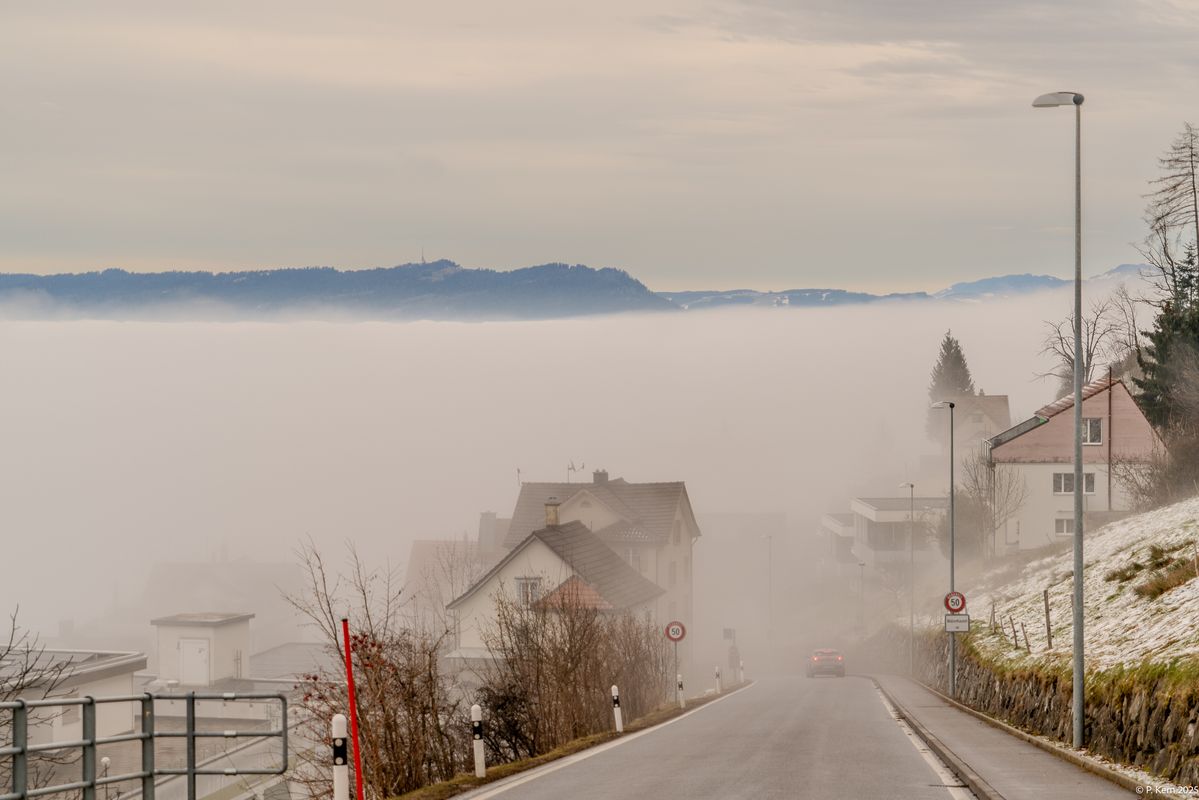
pixel 950 379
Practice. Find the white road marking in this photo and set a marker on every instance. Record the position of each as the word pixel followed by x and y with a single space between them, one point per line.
pixel 951 782
pixel 534 774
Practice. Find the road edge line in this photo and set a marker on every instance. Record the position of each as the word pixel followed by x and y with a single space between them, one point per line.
pixel 981 789
pixel 511 782
pixel 1088 763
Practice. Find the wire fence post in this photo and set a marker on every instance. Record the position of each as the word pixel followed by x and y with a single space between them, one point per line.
pixel 190 705
pixel 89 749
pixel 20 741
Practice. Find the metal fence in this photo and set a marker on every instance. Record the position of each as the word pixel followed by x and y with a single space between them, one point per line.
pixel 19 749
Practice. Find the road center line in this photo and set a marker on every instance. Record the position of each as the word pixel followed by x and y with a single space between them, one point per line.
pixel 595 751
pixel 948 779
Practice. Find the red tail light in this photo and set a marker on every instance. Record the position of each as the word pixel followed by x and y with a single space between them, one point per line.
pixel 838 658
pixel 815 658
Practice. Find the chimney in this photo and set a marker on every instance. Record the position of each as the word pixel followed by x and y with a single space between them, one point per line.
pixel 551 512
pixel 600 476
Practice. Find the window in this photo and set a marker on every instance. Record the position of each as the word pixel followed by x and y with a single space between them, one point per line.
pixel 1063 527
pixel 528 590
pixel 678 532
pixel 1092 430
pixel 633 556
pixel 673 574
pixel 1063 483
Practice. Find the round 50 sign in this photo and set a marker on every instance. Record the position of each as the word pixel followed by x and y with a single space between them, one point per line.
pixel 955 602
pixel 675 631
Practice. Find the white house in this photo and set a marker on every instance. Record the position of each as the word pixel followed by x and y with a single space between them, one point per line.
pixel 651 526
pixel 1039 455
pixel 559 557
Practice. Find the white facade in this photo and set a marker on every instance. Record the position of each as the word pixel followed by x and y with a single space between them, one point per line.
pixel 476 613
pixel 1047 515
pixel 199 650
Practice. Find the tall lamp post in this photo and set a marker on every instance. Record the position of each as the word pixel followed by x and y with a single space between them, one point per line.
pixel 953 637
pixel 770 595
pixel 1052 100
pixel 911 487
pixel 862 596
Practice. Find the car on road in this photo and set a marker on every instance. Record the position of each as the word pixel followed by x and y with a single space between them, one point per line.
pixel 826 662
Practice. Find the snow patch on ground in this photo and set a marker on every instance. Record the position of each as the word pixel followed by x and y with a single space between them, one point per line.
pixel 1120 627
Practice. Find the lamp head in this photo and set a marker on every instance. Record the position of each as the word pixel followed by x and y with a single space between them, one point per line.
pixel 943 404
pixel 1054 99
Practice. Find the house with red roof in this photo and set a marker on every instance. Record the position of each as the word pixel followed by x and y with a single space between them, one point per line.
pixel 1039 454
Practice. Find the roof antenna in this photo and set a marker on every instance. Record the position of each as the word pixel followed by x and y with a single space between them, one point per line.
pixel 518 477
pixel 573 468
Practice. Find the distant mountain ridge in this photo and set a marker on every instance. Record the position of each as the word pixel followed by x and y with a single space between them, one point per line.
pixel 437 290
pixel 968 291
pixel 433 290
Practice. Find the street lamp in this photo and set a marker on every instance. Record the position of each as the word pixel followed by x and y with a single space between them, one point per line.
pixel 862 596
pixel 769 593
pixel 1052 100
pixel 953 637
pixel 911 487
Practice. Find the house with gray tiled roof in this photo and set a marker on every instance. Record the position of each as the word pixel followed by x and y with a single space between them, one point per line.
pixel 556 563
pixel 650 525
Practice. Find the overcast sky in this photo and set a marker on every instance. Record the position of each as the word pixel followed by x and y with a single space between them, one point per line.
pixel 701 144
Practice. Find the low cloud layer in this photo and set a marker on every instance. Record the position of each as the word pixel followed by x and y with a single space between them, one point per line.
pixel 130 443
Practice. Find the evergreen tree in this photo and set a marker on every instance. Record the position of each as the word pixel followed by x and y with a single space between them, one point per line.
pixel 950 379
pixel 1168 364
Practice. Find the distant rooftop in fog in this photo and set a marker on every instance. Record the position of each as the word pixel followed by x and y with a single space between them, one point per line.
pixel 205 618
pixel 76 665
pixel 902 503
pixel 292 660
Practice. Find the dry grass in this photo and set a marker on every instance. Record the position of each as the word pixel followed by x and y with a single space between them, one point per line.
pixel 464 783
pixel 1161 581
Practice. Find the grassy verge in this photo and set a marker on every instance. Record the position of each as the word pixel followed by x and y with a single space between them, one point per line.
pixel 463 783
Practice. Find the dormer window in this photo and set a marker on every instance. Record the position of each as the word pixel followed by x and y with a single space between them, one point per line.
pixel 1092 430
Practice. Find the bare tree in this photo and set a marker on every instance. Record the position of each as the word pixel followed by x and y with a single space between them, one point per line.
pixel 453 568
pixel 1104 335
pixel 552 664
pixel 998 490
pixel 28 672
pixel 1172 216
pixel 411 732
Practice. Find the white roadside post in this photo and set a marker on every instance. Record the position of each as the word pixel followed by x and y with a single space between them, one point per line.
pixel 679 690
pixel 718 679
pixel 476 728
pixel 741 673
pixel 341 764
pixel 616 709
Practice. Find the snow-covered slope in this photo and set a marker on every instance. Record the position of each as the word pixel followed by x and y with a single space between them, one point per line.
pixel 1121 627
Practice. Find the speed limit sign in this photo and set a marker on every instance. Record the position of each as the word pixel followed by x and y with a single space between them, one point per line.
pixel 675 631
pixel 955 602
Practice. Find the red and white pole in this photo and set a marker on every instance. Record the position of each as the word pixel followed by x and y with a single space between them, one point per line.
pixel 345 632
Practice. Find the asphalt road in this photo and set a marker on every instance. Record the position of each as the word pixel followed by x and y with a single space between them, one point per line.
pixel 787 737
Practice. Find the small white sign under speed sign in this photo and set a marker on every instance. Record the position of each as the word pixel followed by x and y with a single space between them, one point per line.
pixel 675 631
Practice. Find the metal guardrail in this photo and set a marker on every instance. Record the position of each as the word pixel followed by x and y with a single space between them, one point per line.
pixel 19 749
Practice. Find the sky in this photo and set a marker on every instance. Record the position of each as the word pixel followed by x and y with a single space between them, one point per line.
pixel 770 144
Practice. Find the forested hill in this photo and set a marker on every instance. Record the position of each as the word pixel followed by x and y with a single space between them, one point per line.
pixel 434 290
